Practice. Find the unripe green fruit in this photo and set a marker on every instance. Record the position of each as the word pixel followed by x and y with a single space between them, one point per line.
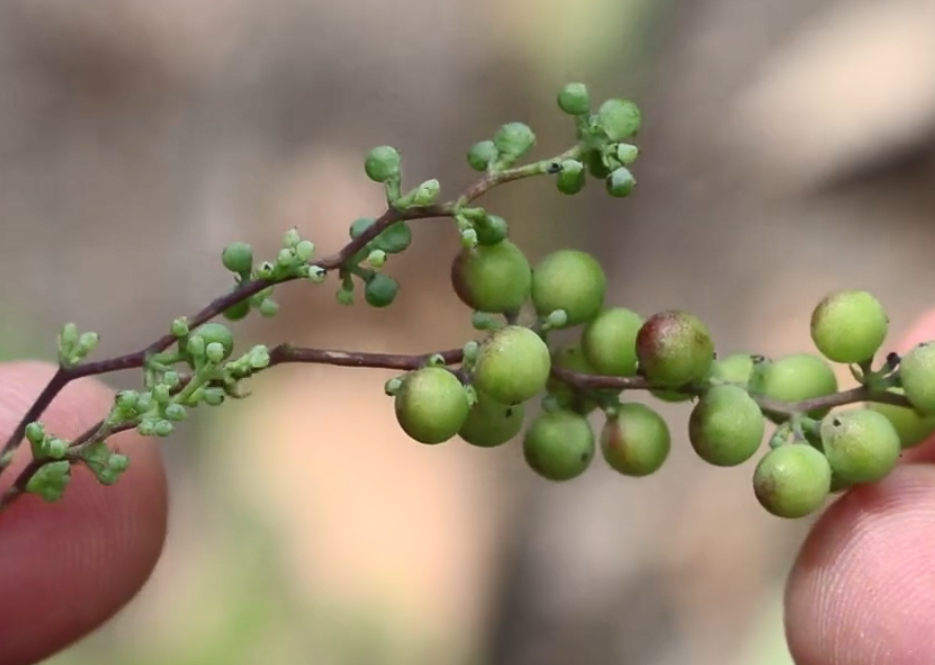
pixel 571 357
pixel 861 445
pixel 492 278
pixel 674 349
pixel 635 441
pixel 619 118
pixel 492 229
pixel 571 179
pixel 394 239
pixel 917 372
pixel 490 423
pixel 574 99
pixel 572 281
pixel 792 481
pixel 512 365
pixel 238 257
pixel 514 139
pixel 217 333
pixel 671 396
pixel 482 154
pixel 726 426
pixel 381 290
pixel 793 378
pixel 849 326
pixel 238 311
pixel 735 368
pixel 594 161
pixel 431 405
pixel 382 163
pixel 620 183
pixel 559 445
pixel 609 341
pixel 912 428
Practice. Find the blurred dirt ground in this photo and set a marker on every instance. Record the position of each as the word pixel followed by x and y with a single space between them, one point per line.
pixel 788 149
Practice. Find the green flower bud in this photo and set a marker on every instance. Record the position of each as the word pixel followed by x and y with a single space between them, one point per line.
pixel 571 178
pixel 118 462
pixel 482 155
pixel 266 270
pixel 377 258
pixel 55 448
pixel 87 342
pixel 556 319
pixel 175 412
pixel 381 290
pixel 163 428
pixel 196 346
pixel 68 338
pixel 171 379
pixel 50 480
pixel 514 140
pixel 392 386
pixel 619 118
pixel 291 238
pixel 469 238
pixel 127 400
pixel 574 99
pixel 620 183
pixel 345 296
pixel 491 230
pixel 35 433
pixel 214 396
pixel 259 357
pixel 627 153
pixel 238 257
pixel 161 393
pixel 382 163
pixel 268 307
pixel 305 250
pixel 214 353
pixel 285 258
pixel 427 193
pixel 180 327
pixel 147 427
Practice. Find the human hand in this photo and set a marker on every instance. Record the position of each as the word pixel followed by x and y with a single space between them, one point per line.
pixel 862 591
pixel 68 568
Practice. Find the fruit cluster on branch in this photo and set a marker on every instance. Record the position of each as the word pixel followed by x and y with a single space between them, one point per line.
pixel 513 381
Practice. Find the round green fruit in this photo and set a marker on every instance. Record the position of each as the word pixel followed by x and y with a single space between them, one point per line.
pixel 217 333
pixel 726 426
pixel 571 357
pixel 381 290
pixel 620 183
pixel 574 99
pixel 238 257
pixel 619 118
pixel 572 281
pixel 492 229
pixel 609 341
pixel 490 423
pixel 559 445
pixel 512 365
pixel 917 372
pixel 735 369
pixel 492 278
pixel 636 440
pixel 571 179
pixel 849 326
pixel 431 405
pixel 674 349
pixel 792 481
pixel 861 445
pixel 912 428
pixel 482 154
pixel 382 163
pixel 793 378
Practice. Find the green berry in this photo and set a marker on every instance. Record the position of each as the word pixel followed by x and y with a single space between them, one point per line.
pixel 619 118
pixel 917 372
pixel 381 290
pixel 559 445
pixel 514 139
pixel 268 308
pixel 512 365
pixel 574 99
pixel 620 183
pixel 674 349
pixel 238 257
pixel 491 230
pixel 217 333
pixel 635 441
pixel 238 311
pixel 569 280
pixel 571 179
pixel 912 428
pixel 50 480
pixel 382 163
pixel 594 161
pixel 490 423
pixel 432 405
pixel 492 278
pixel 861 445
pixel 359 225
pixel 571 357
pixel 793 378
pixel 849 326
pixel 735 368
pixel 482 154
pixel 792 481
pixel 394 239
pixel 627 153
pixel 726 426
pixel 609 341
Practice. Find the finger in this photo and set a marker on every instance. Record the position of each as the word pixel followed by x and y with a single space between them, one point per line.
pixel 67 567
pixel 862 591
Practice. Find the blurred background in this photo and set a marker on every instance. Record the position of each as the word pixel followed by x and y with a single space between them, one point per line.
pixel 788 150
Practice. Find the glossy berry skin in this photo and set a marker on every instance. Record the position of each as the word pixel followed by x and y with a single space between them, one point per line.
pixel 512 365
pixel 636 440
pixel 792 481
pixel 492 278
pixel 571 357
pixel 381 290
pixel 792 378
pixel 609 341
pixel 861 445
pixel 912 427
pixel 849 326
pixel 431 405
pixel 917 371
pixel 559 445
pixel 726 426
pixel 674 349
pixel 572 281
pixel 490 423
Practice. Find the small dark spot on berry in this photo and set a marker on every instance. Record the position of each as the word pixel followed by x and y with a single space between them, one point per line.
pixel 836 422
pixel 554 167
pixel 509 412
pixel 584 457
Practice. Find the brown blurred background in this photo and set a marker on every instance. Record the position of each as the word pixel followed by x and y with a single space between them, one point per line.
pixel 788 149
